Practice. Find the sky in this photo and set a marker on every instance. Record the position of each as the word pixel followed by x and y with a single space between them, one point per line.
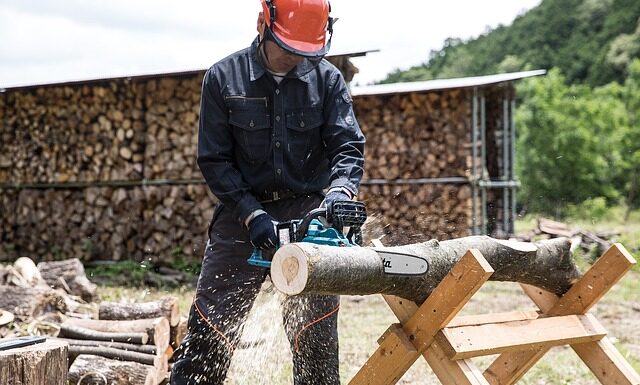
pixel 45 41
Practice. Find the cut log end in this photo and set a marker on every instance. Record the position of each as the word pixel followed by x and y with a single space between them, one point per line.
pixel 290 269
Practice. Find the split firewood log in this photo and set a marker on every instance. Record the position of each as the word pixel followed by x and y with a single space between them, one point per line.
pixel 178 333
pixel 95 370
pixel 157 329
pixel 166 307
pixel 31 301
pixel 82 333
pixel 69 275
pixel 309 268
pixel 147 349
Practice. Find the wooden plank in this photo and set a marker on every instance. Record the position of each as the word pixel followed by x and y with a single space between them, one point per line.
pixel 449 372
pixel 508 368
pixel 544 299
pixel 460 372
pixel 395 354
pixel 472 341
pixel 451 294
pixel 607 363
pixel 493 318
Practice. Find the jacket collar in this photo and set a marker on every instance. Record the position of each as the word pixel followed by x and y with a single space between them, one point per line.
pixel 257 70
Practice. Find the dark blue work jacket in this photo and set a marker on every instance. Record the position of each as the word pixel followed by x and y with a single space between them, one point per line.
pixel 257 137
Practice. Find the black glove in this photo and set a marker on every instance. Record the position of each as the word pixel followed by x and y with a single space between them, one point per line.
pixel 262 232
pixel 331 198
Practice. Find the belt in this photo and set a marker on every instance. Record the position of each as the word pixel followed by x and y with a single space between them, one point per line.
pixel 278 196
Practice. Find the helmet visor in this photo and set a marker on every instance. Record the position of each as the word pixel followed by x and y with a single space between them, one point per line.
pixel 309 61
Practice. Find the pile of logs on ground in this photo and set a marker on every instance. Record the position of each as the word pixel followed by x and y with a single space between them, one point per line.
pixel 126 343
pixel 590 243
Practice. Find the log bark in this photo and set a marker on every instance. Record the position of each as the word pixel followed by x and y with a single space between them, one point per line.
pixel 95 370
pixel 115 354
pixel 39 364
pixel 166 307
pixel 157 329
pixel 147 349
pixel 178 333
pixel 31 301
pixel 78 332
pixel 69 275
pixel 308 268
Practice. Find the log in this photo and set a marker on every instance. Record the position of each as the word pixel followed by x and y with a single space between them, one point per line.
pixel 95 370
pixel 114 354
pixel 147 349
pixel 166 307
pixel 178 333
pixel 39 364
pixel 31 301
pixel 68 275
pixel 309 268
pixel 78 332
pixel 157 329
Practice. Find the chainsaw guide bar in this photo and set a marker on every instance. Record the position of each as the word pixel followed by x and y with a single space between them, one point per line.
pixel 402 264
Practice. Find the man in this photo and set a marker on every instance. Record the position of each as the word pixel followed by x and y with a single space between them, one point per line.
pixel 276 129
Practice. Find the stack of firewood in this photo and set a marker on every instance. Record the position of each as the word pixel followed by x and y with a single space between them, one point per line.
pixel 126 338
pixel 126 343
pixel 413 136
pixel 108 223
pixel 409 213
pixel 63 134
pixel 417 135
pixel 173 110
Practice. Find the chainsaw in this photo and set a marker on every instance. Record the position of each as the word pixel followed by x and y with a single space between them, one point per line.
pixel 322 229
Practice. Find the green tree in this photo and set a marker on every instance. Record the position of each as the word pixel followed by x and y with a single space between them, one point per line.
pixel 569 142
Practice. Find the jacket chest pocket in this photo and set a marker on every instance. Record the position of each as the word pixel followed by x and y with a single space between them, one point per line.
pixel 251 126
pixel 303 133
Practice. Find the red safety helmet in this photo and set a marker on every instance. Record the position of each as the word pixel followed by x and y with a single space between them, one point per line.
pixel 299 26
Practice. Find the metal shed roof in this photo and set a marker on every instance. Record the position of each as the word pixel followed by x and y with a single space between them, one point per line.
pixel 141 76
pixel 441 84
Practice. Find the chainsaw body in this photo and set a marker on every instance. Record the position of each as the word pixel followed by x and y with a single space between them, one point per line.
pixel 347 216
pixel 316 228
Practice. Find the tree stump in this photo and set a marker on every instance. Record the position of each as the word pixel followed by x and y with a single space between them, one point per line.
pixel 39 364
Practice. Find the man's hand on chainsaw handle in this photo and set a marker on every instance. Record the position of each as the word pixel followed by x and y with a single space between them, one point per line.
pixel 262 232
pixel 334 195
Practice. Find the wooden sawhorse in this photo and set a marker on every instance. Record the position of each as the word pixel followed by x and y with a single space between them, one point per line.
pixel 521 338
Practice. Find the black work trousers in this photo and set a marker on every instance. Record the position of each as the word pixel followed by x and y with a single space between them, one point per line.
pixel 226 290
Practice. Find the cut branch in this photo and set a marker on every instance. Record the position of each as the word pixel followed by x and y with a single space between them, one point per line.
pixel 309 268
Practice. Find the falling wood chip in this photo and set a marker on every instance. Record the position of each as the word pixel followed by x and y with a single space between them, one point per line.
pixel 5 317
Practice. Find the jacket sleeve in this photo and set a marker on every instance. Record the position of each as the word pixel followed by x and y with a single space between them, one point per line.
pixel 343 138
pixel 215 152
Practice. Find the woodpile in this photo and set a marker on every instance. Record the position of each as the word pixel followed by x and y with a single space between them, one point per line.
pixel 98 145
pixel 405 214
pixel 68 134
pixel 414 136
pixel 590 243
pixel 126 343
pixel 136 223
pixel 172 113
